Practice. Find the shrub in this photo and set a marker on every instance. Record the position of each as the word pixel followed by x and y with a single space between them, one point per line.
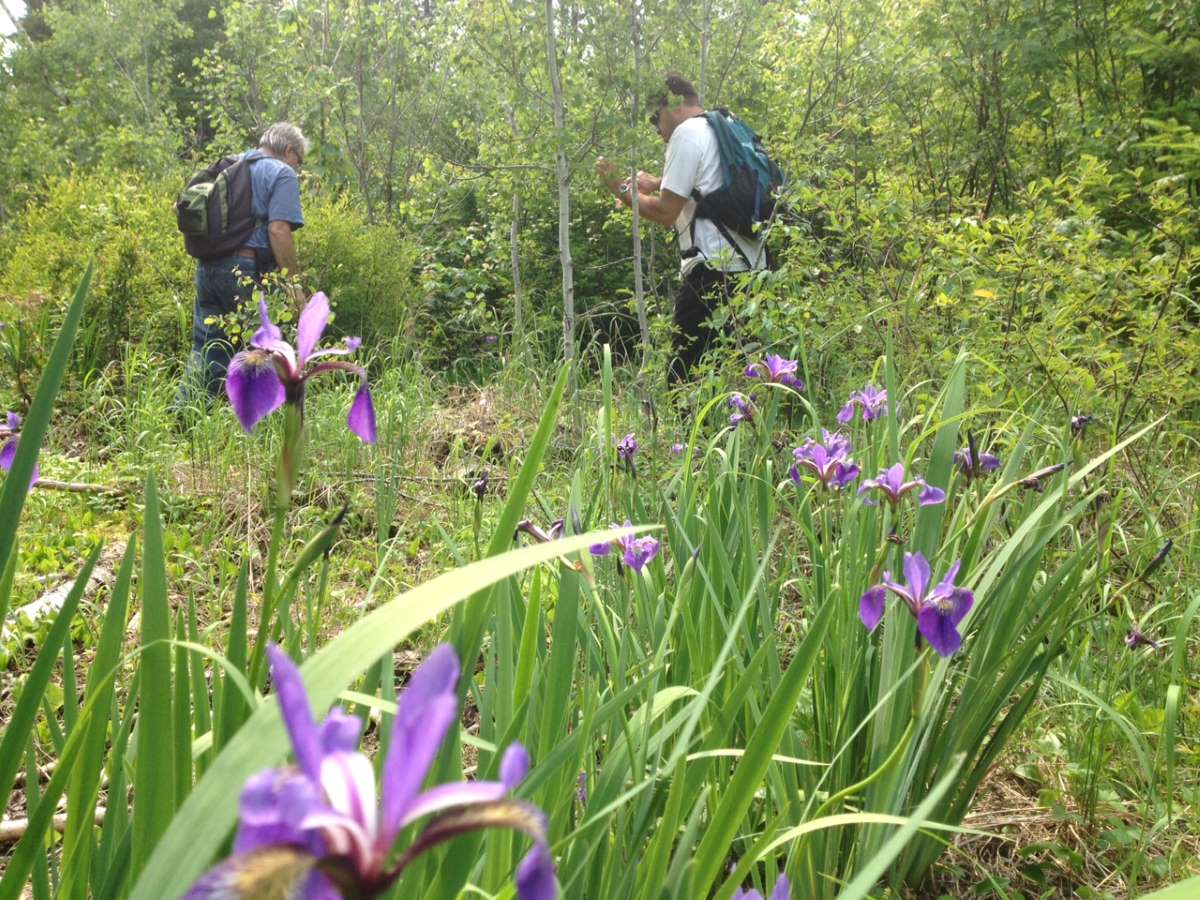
pixel 142 291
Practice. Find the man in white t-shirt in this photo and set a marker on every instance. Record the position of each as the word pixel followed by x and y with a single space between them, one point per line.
pixel 692 170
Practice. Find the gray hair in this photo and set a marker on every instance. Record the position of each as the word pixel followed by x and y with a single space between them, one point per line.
pixel 284 136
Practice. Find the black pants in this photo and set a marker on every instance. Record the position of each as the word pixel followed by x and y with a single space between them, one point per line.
pixel 700 292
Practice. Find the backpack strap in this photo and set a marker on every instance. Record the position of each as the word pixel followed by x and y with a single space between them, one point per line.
pixel 249 158
pixel 721 229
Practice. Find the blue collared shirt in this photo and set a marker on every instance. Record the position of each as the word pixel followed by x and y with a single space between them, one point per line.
pixel 274 197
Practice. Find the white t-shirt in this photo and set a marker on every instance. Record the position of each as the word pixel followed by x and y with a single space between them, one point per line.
pixel 694 163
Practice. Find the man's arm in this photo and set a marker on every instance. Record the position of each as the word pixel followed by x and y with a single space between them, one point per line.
pixel 662 208
pixel 284 247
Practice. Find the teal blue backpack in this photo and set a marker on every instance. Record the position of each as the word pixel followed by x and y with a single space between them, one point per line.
pixel 751 181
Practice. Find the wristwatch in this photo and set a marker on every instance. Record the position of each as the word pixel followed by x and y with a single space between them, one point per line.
pixel 624 188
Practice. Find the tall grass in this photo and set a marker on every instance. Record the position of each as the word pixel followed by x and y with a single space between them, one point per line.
pixel 718 719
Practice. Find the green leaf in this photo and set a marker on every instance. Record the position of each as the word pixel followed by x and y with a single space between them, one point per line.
pixel 154 770
pixel 1184 890
pixel 871 872
pixel 85 777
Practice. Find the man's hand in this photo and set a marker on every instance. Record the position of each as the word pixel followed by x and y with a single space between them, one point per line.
pixel 607 170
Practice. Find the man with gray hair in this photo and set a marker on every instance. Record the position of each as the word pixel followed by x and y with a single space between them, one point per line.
pixel 225 282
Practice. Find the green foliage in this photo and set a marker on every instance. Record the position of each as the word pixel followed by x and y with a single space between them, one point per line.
pixel 143 293
pixel 1057 301
pixel 369 271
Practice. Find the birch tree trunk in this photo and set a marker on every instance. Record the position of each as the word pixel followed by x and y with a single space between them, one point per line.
pixel 639 290
pixel 564 197
pixel 514 249
pixel 514 235
pixel 705 40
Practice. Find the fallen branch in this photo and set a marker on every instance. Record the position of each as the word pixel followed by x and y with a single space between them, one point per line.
pixel 51 602
pixel 12 830
pixel 80 487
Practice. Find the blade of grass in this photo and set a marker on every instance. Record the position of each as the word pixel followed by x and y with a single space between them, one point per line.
pixel 869 874
pixel 85 777
pixel 739 793
pixel 36 424
pixel 154 767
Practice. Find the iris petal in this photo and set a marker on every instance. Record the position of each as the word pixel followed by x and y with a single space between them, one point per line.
pixel 253 387
pixel 514 765
pixel 870 606
pixel 452 795
pixel 268 331
pixel 340 732
pixel 267 872
pixel 311 326
pixel 535 875
pixel 931 496
pixel 361 419
pixel 939 631
pixel 426 710
pixel 917 574
pixel 293 704
pixel 8 453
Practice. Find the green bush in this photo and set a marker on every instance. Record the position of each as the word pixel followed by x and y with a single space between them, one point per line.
pixel 143 290
pixel 143 284
pixel 368 270
pixel 1060 303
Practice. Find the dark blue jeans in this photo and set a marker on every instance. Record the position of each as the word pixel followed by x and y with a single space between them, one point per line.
pixel 221 288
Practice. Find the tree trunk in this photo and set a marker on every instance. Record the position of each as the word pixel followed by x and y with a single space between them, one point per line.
pixel 514 249
pixel 639 289
pixel 564 197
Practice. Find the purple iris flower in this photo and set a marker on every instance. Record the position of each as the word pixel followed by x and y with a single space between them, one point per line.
pixel 1080 423
pixel 8 453
pixel 581 786
pixel 829 460
pixel 871 400
pixel 1136 639
pixel 782 891
pixel 317 826
pixel 627 448
pixel 776 370
pixel 270 372
pixel 635 551
pixel 938 610
pixel 480 486
pixel 542 537
pixel 490 338
pixel 974 464
pixel 892 485
pixel 743 409
pixel 677 448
